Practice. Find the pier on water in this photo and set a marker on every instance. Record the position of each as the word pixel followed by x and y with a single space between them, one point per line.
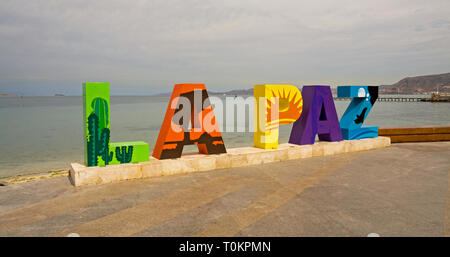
pixel 401 99
pixel 392 99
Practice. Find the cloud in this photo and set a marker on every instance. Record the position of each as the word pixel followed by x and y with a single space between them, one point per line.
pixel 147 46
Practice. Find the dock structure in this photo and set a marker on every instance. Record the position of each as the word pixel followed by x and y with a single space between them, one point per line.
pixel 389 99
pixel 403 99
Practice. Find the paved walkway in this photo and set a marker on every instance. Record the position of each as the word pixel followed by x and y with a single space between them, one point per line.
pixel 397 191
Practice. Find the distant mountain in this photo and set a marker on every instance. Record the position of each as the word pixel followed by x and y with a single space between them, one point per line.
pixel 419 85
pixel 231 92
pixel 234 92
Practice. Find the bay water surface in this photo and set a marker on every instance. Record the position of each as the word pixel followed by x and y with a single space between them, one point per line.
pixel 44 133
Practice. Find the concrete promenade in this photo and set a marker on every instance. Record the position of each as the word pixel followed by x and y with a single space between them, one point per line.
pixel 402 190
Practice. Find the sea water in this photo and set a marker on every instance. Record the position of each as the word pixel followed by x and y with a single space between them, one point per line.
pixel 46 133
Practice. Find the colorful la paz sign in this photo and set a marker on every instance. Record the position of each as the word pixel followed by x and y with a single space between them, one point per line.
pixel 312 111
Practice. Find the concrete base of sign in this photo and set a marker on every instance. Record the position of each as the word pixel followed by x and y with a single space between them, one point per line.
pixel 235 157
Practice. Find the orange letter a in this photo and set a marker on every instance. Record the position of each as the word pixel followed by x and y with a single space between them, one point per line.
pixel 189 102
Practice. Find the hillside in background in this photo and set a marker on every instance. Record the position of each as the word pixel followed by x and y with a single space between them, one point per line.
pixel 234 92
pixel 419 85
pixel 411 85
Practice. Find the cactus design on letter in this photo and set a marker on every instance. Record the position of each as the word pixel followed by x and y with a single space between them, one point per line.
pixel 98 143
pixel 100 107
pixel 98 148
pixel 124 156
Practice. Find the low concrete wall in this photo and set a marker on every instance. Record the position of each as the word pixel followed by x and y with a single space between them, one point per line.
pixel 416 134
pixel 235 157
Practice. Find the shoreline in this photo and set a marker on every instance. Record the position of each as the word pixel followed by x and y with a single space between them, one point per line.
pixel 17 179
pixel 33 177
pixel 415 134
pixel 235 157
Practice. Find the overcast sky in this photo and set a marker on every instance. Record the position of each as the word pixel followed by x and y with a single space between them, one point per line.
pixel 144 47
